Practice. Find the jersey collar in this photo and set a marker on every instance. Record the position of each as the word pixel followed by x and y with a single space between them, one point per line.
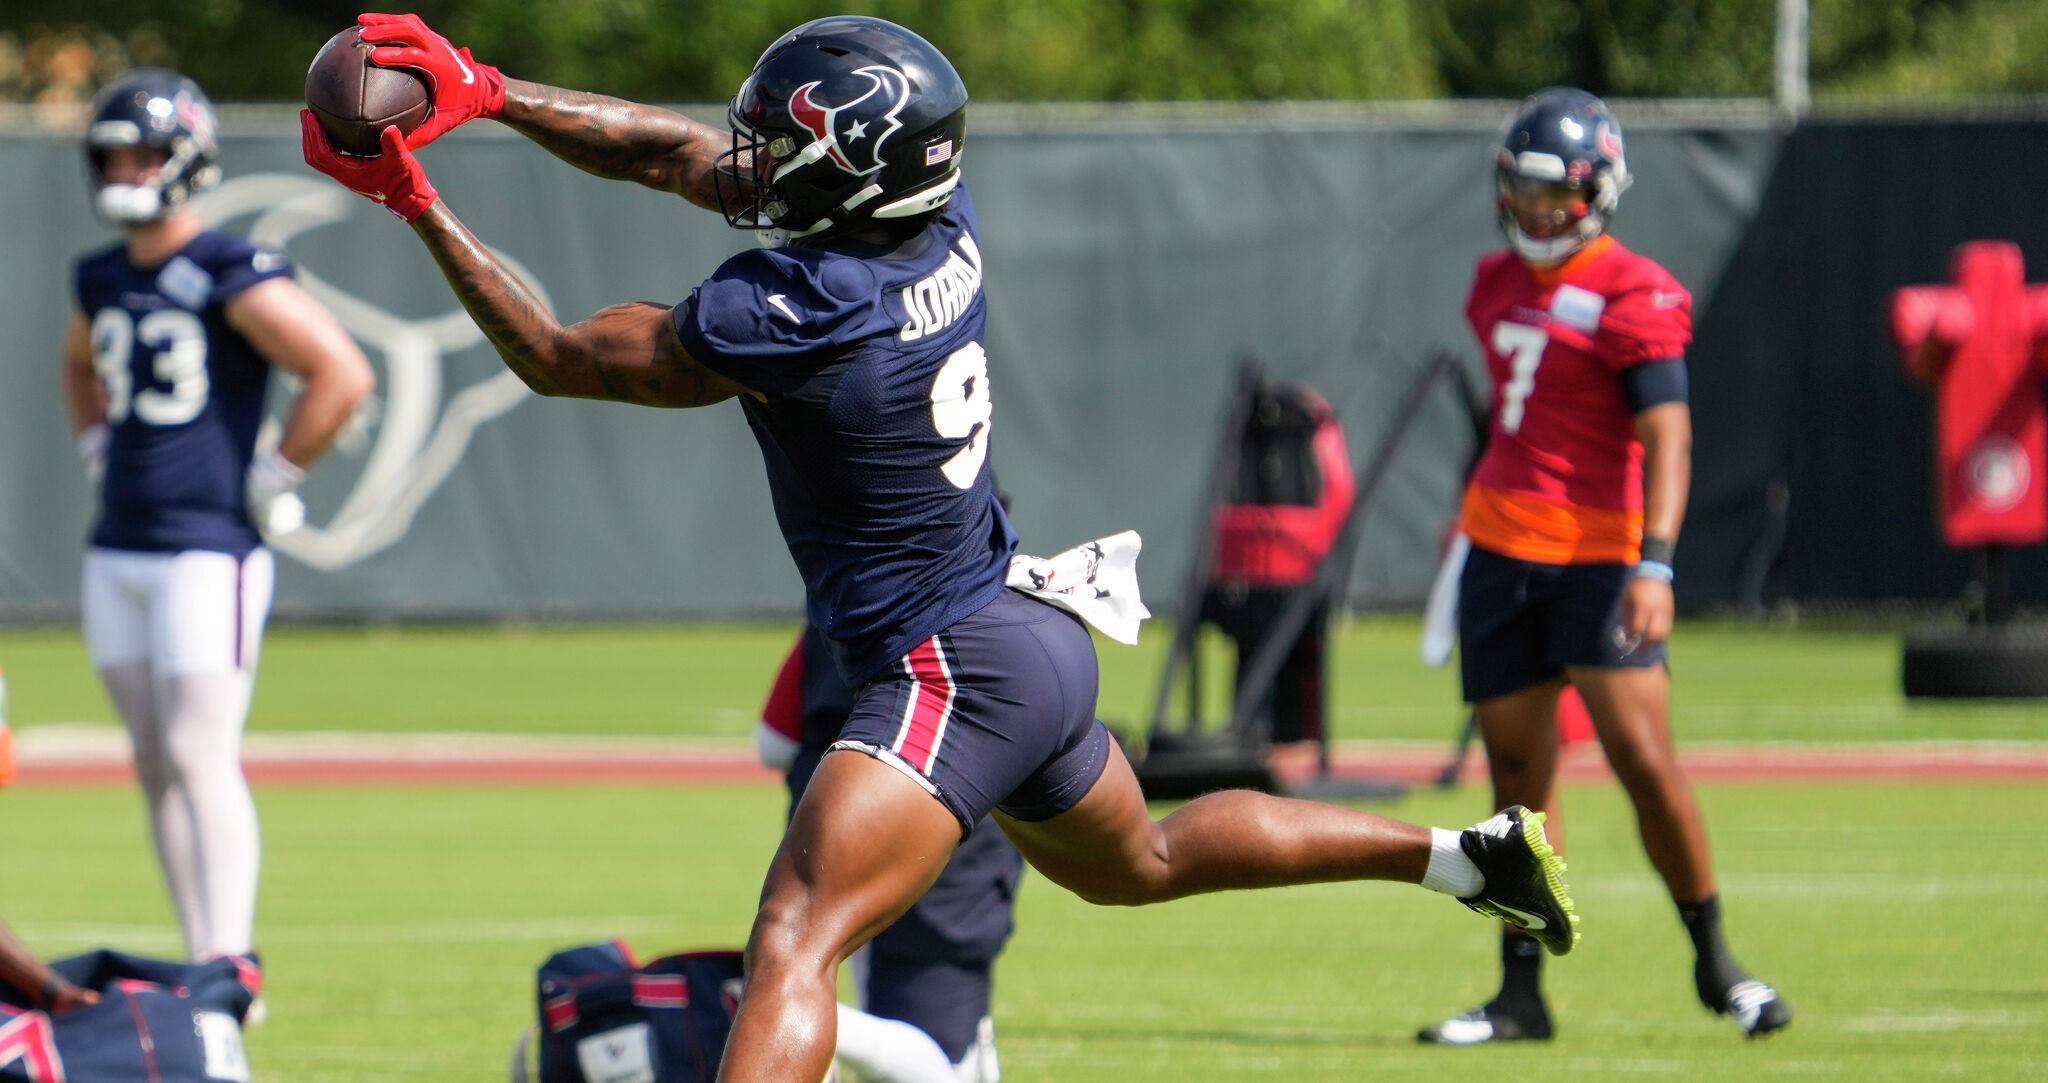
pixel 1572 264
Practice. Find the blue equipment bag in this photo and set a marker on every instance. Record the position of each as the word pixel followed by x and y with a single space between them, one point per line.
pixel 606 1019
pixel 156 1022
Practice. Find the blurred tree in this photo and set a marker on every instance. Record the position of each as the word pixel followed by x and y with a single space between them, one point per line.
pixel 1110 50
pixel 1875 49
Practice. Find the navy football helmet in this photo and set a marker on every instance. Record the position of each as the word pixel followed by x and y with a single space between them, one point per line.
pixel 1565 138
pixel 161 110
pixel 844 120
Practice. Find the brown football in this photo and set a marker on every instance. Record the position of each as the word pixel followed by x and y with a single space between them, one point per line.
pixel 355 99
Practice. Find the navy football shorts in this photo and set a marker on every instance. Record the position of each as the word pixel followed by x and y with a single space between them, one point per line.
pixel 995 712
pixel 1521 622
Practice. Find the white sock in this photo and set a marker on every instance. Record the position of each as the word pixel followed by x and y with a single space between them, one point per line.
pixel 200 717
pixel 980 1064
pixel 134 690
pixel 1450 871
pixel 889 1050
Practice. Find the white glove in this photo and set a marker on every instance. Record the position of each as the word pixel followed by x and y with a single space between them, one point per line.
pixel 273 506
pixel 92 451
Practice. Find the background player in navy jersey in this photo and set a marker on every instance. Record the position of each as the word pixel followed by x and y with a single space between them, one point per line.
pixel 853 345
pixel 1572 512
pixel 166 364
pixel 934 967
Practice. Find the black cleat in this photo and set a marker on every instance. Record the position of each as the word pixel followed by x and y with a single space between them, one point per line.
pixel 1756 1008
pixel 1524 878
pixel 1495 1022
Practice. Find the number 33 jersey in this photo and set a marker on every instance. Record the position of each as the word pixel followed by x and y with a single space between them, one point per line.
pixel 1561 481
pixel 184 393
pixel 873 415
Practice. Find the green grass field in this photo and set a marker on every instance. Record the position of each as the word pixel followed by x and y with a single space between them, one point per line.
pixel 401 925
pixel 1734 681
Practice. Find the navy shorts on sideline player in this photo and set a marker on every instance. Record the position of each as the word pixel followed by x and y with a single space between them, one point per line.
pixel 1521 622
pixel 995 712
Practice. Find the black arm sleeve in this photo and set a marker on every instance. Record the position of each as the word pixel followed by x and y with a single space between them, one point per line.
pixel 1654 383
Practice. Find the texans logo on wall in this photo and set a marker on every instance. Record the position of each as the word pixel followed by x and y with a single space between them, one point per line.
pixel 410 436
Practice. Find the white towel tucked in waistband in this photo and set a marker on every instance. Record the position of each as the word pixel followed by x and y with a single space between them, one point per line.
pixel 1440 616
pixel 1097 582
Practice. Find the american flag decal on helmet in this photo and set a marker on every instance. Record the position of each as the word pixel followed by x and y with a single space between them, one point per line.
pixel 938 152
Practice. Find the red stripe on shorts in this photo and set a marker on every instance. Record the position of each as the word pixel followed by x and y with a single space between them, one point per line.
pixel 930 707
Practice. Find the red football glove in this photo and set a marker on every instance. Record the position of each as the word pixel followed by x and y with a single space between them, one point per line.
pixel 394 178
pixel 463 89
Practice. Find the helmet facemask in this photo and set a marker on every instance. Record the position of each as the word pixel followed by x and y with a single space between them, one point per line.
pixel 1571 227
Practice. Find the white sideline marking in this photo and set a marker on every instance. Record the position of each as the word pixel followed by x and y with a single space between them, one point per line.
pixel 1645 885
pixel 1936 1022
pixel 100 742
pixel 1844 885
pixel 1674 1069
pixel 163 937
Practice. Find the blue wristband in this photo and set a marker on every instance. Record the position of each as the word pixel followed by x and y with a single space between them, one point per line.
pixel 1654 569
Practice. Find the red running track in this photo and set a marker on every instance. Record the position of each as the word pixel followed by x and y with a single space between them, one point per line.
pixel 101 759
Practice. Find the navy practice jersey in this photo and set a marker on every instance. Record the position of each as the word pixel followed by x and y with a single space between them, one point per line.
pixel 873 418
pixel 184 393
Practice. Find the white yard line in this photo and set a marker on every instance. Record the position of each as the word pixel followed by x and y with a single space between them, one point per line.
pixel 564 929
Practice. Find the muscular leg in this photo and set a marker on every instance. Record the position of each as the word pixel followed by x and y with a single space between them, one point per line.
pixel 1630 708
pixel 1108 850
pixel 1631 712
pixel 864 843
pixel 1520 733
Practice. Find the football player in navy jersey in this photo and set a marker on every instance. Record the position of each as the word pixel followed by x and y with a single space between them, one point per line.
pixel 852 342
pixel 166 363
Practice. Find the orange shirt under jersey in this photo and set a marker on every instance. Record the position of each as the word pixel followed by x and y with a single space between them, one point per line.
pixel 1561 481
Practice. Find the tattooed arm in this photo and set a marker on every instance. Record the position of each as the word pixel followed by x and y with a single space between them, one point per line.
pixel 618 139
pixel 610 137
pixel 625 353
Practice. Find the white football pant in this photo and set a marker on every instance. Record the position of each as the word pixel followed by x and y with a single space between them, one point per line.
pixel 175 637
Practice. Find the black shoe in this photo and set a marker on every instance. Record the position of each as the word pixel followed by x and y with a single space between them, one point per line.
pixel 1755 1007
pixel 1524 878
pixel 1495 1022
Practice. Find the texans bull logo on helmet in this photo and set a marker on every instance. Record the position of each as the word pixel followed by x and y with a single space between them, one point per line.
pixel 822 121
pixel 1608 140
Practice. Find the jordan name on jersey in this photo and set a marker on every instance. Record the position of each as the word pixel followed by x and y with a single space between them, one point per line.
pixel 935 301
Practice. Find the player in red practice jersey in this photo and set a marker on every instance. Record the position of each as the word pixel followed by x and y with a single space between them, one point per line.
pixel 1573 513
